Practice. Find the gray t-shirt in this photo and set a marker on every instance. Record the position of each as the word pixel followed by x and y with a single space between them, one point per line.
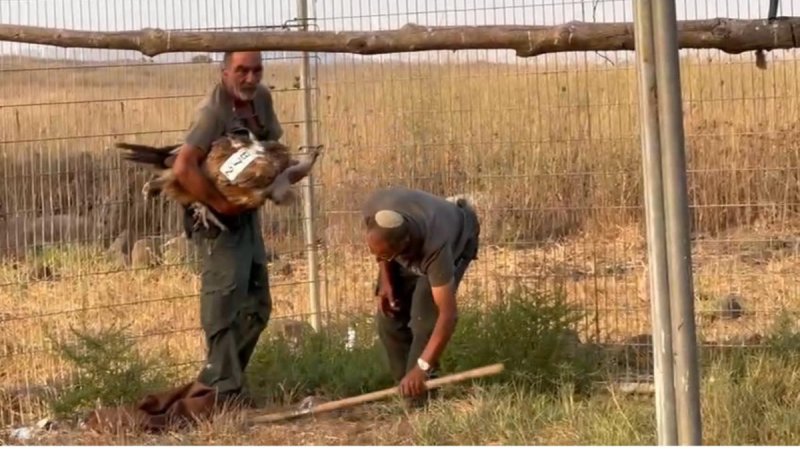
pixel 214 116
pixel 440 230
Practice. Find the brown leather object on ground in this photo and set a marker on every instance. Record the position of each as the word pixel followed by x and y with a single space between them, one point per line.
pixel 157 412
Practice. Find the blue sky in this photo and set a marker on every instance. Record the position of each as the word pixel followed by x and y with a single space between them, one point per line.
pixel 337 15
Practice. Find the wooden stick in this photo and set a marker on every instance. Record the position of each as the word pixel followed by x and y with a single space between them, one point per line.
pixel 726 34
pixel 376 395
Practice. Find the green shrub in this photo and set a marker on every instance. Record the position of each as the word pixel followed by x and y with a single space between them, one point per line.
pixel 529 333
pixel 110 370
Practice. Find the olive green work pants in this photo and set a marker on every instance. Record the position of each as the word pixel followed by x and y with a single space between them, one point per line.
pixel 235 300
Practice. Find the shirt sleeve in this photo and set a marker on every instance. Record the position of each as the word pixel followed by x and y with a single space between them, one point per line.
pixel 205 128
pixel 439 267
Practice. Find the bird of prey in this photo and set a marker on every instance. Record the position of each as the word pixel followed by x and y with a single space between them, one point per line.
pixel 246 171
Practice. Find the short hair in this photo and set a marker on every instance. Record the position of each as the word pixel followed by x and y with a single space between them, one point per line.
pixel 226 58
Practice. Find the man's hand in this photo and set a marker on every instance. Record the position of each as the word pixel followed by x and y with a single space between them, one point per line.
pixel 387 303
pixel 413 384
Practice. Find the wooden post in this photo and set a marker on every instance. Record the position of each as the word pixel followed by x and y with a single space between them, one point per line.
pixel 729 35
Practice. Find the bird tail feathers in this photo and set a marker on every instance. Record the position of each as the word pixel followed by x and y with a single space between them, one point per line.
pixel 159 157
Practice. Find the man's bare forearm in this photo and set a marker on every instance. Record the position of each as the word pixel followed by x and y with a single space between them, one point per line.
pixel 445 326
pixel 193 180
pixel 191 177
pixel 386 279
pixel 442 332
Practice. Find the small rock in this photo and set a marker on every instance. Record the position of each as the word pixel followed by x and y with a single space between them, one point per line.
pixel 122 244
pixel 119 250
pixel 142 254
pixel 45 423
pixel 310 402
pixel 177 250
pixel 22 433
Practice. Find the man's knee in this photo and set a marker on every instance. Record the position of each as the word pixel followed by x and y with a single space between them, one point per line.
pixel 396 339
pixel 216 306
pixel 422 324
pixel 388 327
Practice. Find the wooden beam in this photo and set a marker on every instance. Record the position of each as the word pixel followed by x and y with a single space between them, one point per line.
pixel 729 35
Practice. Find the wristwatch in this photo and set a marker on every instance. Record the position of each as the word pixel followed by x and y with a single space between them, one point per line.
pixel 424 366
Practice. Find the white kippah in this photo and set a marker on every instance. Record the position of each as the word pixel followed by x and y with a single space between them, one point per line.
pixel 388 219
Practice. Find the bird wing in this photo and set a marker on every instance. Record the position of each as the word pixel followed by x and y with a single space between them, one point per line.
pixel 259 174
pixel 263 171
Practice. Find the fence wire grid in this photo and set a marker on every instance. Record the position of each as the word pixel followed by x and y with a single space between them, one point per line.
pixel 547 147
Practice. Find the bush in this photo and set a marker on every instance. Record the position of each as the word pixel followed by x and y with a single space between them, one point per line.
pixel 110 372
pixel 529 333
pixel 320 364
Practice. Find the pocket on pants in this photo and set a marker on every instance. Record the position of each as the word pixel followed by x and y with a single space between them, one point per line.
pixel 220 279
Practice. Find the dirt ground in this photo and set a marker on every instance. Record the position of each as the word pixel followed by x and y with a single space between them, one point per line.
pixel 364 425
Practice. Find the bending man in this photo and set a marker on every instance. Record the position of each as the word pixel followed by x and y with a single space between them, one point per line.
pixel 423 245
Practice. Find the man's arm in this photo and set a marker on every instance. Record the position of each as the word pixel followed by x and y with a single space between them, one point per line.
pixel 445 299
pixel 386 300
pixel 442 280
pixel 188 173
pixel 205 128
pixel 440 275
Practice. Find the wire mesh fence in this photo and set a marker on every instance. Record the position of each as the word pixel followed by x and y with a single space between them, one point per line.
pixel 82 248
pixel 547 147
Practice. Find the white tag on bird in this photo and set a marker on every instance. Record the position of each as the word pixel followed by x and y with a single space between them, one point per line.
pixel 237 162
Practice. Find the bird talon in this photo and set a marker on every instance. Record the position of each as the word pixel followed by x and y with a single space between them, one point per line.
pixel 206 217
pixel 146 190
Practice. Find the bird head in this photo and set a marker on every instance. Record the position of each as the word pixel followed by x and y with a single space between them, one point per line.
pixel 243 138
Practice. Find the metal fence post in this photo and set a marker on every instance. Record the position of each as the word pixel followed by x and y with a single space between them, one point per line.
pixel 655 223
pixel 308 182
pixel 676 209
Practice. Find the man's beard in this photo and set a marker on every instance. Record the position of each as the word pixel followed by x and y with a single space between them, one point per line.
pixel 244 95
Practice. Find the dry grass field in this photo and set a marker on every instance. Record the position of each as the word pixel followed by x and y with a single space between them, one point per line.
pixel 550 156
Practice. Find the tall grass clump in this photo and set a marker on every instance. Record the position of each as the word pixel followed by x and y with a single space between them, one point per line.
pixel 530 333
pixel 749 396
